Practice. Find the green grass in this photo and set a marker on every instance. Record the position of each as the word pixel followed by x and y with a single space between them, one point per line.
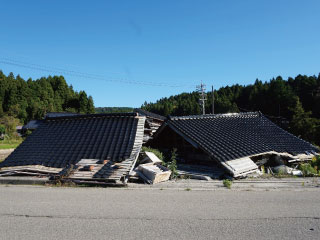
pixel 7 144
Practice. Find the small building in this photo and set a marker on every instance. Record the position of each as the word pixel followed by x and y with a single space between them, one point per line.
pixel 34 124
pixel 234 141
pixel 92 147
pixel 31 125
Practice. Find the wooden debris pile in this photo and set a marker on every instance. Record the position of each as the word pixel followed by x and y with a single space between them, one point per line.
pixel 152 123
pixel 94 170
pixel 151 171
pixel 31 170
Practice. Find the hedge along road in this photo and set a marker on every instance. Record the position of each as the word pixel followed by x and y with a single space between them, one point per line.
pixel 32 212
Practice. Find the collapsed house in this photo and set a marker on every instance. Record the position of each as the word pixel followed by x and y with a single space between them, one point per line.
pixel 104 148
pixel 82 148
pixel 240 143
pixel 152 123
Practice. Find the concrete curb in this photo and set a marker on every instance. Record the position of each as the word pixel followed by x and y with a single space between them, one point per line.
pixel 24 180
pixel 298 184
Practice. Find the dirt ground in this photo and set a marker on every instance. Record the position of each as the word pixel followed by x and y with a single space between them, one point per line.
pixel 5 153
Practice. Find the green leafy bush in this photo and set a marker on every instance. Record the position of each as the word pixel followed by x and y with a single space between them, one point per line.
pixel 2 129
pixel 153 150
pixel 172 163
pixel 9 123
pixel 315 163
pixel 227 183
pixel 307 169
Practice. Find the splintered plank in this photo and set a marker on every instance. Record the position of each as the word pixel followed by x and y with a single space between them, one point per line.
pixel 32 168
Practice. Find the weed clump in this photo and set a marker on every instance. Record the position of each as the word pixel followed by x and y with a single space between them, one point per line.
pixel 172 164
pixel 227 183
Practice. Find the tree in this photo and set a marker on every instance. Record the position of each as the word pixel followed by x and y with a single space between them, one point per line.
pixel 90 105
pixel 302 124
pixel 10 123
pixel 275 98
pixel 32 99
pixel 83 102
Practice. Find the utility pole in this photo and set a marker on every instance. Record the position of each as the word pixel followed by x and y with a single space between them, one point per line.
pixel 201 89
pixel 212 100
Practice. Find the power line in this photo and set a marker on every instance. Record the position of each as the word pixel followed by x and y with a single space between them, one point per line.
pixel 84 75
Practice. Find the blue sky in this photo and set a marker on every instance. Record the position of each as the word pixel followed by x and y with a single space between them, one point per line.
pixel 171 42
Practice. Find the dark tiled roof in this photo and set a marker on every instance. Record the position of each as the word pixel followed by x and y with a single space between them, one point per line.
pixel 59 114
pixel 149 114
pixel 62 141
pixel 237 135
pixel 33 124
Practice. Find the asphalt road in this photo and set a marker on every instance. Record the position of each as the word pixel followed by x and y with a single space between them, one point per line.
pixel 31 212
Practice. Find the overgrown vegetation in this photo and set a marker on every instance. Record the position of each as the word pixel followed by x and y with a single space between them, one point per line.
pixel 227 183
pixel 296 100
pixel 32 99
pixel 8 126
pixel 307 170
pixel 153 150
pixel 311 169
pixel 315 163
pixel 9 138
pixel 172 164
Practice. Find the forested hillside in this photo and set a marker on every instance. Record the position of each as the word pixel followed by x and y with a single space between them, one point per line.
pixel 295 99
pixel 32 99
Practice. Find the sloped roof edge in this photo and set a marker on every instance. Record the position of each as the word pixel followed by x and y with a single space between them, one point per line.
pixel 220 115
pixel 95 115
pixel 60 114
pixel 33 124
pixel 149 114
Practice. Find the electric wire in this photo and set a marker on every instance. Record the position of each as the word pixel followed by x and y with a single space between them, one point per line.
pixel 61 71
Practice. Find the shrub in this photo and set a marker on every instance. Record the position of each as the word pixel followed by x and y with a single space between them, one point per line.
pixel 172 163
pixel 2 129
pixel 27 133
pixel 315 163
pixel 9 123
pixel 307 169
pixel 227 183
pixel 153 150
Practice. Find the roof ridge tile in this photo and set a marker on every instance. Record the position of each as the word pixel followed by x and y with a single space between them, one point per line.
pixel 220 115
